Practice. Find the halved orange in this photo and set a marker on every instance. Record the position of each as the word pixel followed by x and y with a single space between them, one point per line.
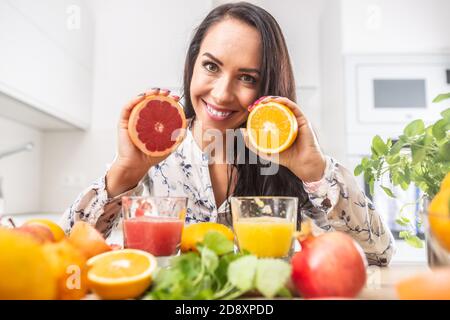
pixel 121 274
pixel 271 127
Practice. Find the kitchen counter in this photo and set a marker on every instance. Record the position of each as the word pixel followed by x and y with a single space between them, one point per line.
pixel 381 281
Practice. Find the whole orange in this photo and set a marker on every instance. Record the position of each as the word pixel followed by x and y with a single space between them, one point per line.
pixel 195 233
pixel 439 217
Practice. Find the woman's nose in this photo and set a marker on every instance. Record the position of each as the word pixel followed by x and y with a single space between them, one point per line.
pixel 222 91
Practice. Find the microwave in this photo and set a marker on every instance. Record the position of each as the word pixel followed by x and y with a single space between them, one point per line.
pixel 392 90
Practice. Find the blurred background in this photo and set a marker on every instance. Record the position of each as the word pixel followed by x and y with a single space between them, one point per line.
pixel 362 67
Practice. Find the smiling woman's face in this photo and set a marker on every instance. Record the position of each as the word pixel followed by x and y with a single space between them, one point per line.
pixel 226 77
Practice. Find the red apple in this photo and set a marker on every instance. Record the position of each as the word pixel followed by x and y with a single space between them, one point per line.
pixel 329 265
pixel 40 233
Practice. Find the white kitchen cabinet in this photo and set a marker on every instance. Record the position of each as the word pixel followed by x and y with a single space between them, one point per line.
pixel 46 63
pixel 400 26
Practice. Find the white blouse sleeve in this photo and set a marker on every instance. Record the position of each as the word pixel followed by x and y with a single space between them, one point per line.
pixel 95 207
pixel 339 204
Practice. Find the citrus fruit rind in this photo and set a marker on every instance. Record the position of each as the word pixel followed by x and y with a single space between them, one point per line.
pixel 271 127
pixel 195 233
pixel 157 125
pixel 121 274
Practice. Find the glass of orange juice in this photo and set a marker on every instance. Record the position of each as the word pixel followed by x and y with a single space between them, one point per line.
pixel 265 226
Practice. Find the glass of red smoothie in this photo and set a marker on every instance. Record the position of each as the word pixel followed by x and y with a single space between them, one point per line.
pixel 154 224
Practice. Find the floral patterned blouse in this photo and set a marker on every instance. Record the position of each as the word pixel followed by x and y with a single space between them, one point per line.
pixel 335 202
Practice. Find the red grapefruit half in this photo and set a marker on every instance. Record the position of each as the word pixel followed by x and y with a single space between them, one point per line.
pixel 157 125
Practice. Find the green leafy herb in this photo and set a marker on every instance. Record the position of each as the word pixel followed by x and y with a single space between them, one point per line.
pixel 241 272
pixel 268 282
pixel 216 272
pixel 421 156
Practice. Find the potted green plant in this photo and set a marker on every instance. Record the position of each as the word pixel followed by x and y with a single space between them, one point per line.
pixel 420 156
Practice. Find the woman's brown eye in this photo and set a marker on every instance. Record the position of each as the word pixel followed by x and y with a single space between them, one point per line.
pixel 249 79
pixel 210 66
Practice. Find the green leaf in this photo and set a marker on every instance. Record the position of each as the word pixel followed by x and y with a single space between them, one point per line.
pixel 444 151
pixel 439 129
pixel 388 191
pixel 441 97
pixel 224 262
pixel 416 127
pixel 365 162
pixel 392 159
pixel 397 147
pixel 210 260
pixel 284 293
pixel 271 276
pixel 379 146
pixel 218 243
pixel 189 264
pixel 404 234
pixel 404 185
pixel 446 115
pixel 358 170
pixel 415 242
pixel 241 272
pixel 400 222
pixel 418 153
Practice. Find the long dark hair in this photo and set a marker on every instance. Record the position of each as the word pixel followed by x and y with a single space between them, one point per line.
pixel 276 79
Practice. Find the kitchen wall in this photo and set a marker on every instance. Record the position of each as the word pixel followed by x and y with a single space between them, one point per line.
pixel 138 45
pixel 399 26
pixel 21 173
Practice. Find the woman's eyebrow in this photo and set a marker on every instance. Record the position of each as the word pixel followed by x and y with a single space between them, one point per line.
pixel 220 63
pixel 209 55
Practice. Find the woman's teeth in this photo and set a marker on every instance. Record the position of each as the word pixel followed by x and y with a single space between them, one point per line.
pixel 216 113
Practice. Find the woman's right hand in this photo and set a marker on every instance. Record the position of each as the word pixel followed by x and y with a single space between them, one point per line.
pixel 131 164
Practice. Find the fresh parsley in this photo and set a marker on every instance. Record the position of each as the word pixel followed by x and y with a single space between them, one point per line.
pixel 216 272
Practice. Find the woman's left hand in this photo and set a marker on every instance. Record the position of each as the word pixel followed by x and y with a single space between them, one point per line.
pixel 304 157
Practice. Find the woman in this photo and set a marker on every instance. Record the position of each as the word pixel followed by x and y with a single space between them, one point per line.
pixel 237 54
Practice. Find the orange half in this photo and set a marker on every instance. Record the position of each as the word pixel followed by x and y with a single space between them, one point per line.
pixel 271 127
pixel 121 274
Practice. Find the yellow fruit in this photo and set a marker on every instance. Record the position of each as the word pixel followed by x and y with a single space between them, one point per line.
pixel 121 274
pixel 58 232
pixel 439 217
pixel 194 233
pixel 87 239
pixel 271 127
pixel 445 184
pixel 70 269
pixel 25 273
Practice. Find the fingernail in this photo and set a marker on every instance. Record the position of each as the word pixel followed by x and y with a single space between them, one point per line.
pixel 157 89
pixel 141 94
pixel 176 97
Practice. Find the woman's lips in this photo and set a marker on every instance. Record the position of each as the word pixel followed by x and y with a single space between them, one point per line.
pixel 217 114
